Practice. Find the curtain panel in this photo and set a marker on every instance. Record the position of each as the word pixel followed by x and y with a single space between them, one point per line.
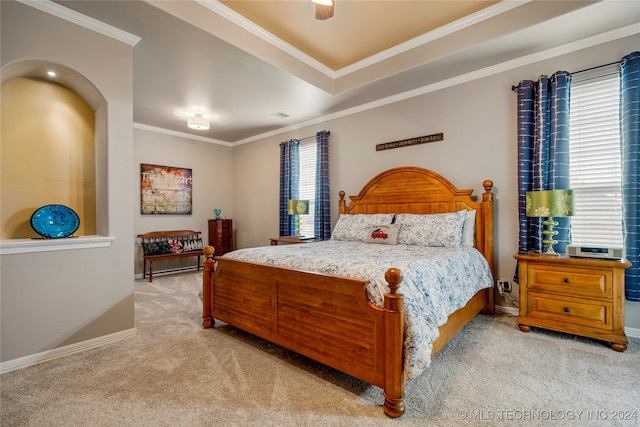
pixel 543 153
pixel 289 183
pixel 322 218
pixel 630 149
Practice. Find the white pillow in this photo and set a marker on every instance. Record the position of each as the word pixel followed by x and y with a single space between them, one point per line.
pixel 432 229
pixel 355 228
pixel 386 234
pixel 468 230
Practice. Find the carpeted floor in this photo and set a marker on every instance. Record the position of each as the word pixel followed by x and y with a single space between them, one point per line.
pixel 174 373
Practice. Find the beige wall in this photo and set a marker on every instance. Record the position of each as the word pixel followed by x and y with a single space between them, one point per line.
pixel 479 123
pixel 54 299
pixel 48 155
pixel 211 166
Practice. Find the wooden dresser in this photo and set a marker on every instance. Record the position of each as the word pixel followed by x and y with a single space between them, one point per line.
pixel 221 235
pixel 574 295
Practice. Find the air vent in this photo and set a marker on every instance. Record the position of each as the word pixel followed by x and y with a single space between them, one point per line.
pixel 280 115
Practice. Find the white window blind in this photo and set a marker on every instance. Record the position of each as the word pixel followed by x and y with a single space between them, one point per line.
pixel 595 166
pixel 307 184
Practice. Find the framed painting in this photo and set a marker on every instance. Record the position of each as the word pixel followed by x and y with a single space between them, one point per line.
pixel 165 190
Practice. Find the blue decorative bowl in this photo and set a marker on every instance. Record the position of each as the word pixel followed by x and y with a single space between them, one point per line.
pixel 55 221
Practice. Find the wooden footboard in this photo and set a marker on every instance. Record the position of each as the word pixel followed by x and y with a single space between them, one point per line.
pixel 326 318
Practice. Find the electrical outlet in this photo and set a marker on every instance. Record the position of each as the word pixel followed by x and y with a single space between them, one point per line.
pixel 504 286
pixel 507 286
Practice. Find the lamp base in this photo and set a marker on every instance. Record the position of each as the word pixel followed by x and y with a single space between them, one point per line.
pixel 548 237
pixel 550 251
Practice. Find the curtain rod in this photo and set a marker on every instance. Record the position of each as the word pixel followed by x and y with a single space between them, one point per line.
pixel 514 88
pixel 310 137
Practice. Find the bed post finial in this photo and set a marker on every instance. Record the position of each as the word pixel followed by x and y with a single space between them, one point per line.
pixel 487 195
pixel 342 205
pixel 393 278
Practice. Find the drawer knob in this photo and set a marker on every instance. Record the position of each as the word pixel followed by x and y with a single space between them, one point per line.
pixel 567 280
pixel 566 310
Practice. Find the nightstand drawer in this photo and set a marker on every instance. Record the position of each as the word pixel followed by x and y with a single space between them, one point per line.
pixel 586 282
pixel 578 311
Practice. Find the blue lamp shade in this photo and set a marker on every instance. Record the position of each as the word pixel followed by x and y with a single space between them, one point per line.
pixel 549 204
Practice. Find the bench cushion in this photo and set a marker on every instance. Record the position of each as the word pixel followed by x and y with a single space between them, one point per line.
pixel 168 246
pixel 157 247
pixel 189 245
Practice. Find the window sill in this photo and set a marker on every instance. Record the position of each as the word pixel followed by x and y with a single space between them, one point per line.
pixel 25 246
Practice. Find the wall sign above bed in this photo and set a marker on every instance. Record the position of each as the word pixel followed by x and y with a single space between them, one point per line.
pixel 411 141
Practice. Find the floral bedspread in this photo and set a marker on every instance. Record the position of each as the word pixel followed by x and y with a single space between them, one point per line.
pixel 437 281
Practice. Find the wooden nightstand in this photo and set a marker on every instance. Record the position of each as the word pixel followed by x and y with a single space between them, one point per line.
pixel 574 295
pixel 290 240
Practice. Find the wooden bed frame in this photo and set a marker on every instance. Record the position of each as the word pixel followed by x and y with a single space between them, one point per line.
pixel 329 318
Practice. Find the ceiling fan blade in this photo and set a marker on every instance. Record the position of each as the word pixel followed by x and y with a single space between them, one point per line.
pixel 324 12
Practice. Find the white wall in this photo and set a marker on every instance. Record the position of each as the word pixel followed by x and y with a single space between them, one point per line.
pixel 479 123
pixel 211 166
pixel 55 299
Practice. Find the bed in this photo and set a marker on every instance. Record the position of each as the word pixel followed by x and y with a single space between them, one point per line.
pixel 329 317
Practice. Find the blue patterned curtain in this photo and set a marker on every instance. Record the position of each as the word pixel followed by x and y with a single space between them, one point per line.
pixel 322 218
pixel 630 148
pixel 543 152
pixel 289 182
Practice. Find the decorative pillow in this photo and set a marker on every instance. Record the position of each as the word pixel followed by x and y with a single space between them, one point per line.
pixel 192 245
pixel 156 248
pixel 469 229
pixel 355 228
pixel 176 246
pixel 384 234
pixel 431 230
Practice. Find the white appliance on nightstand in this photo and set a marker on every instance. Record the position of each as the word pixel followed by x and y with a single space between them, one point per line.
pixel 595 251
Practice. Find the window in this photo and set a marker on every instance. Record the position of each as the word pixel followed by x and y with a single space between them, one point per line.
pixel 308 150
pixel 595 165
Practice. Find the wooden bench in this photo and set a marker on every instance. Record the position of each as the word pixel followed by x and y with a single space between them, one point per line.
pixel 167 245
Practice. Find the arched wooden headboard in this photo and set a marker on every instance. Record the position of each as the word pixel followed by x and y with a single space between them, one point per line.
pixel 421 191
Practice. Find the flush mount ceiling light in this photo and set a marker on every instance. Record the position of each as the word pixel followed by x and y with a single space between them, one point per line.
pixel 324 8
pixel 198 122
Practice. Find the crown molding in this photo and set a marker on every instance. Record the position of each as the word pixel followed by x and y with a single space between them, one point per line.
pixel 430 36
pixel 185 135
pixel 242 22
pixel 77 18
pixel 423 39
pixel 522 61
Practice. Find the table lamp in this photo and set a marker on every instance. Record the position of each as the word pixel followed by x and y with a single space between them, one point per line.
pixel 296 208
pixel 549 204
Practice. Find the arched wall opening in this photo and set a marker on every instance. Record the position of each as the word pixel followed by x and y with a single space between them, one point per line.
pixel 53 147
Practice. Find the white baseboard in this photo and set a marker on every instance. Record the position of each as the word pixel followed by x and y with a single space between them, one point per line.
pixel 511 311
pixel 56 353
pixel 632 332
pixel 173 270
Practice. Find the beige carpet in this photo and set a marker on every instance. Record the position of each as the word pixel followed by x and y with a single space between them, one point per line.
pixel 174 373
